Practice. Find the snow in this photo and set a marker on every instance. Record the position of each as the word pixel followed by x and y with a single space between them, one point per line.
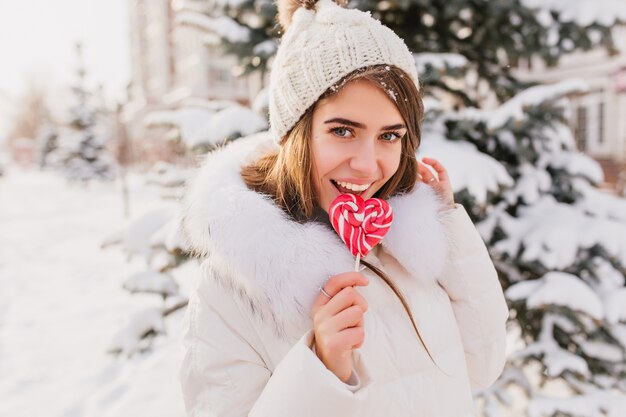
pixel 129 339
pixel 601 350
pixel 228 123
pixel 223 26
pixel 562 289
pixel 167 175
pixel 531 185
pixel 558 361
pixel 467 167
pixel 440 61
pixel 513 109
pixel 170 236
pixel 555 359
pixel 600 203
pixel 615 306
pixel 187 119
pixel 138 231
pixel 552 233
pixel 577 163
pixel 211 105
pixel 200 126
pixel 522 290
pixel 62 302
pixel 266 48
pixel 582 12
pixel 261 102
pixel 575 407
pixel 151 282
pixel 230 3
pixel 611 278
pixel 431 104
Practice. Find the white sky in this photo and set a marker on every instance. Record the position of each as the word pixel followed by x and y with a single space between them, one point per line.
pixel 37 39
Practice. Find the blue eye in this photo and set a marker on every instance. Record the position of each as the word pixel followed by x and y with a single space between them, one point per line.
pixel 338 132
pixel 393 136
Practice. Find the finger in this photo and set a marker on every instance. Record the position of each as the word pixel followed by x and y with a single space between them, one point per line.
pixel 425 172
pixel 346 318
pixel 358 345
pixel 352 337
pixel 343 341
pixel 442 173
pixel 338 282
pixel 347 297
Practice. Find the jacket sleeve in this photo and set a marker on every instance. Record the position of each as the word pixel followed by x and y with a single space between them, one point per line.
pixel 480 309
pixel 222 375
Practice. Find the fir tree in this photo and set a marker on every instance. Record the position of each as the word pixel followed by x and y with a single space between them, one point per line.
pixel 83 146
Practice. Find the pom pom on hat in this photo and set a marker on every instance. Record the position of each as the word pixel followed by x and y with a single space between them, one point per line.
pixel 287 8
pixel 324 42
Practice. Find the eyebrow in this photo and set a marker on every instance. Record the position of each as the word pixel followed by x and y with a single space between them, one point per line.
pixel 361 125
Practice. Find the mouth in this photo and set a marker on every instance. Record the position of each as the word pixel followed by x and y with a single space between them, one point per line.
pixel 347 188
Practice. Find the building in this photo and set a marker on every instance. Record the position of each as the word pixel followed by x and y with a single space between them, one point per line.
pixel 598 117
pixel 172 63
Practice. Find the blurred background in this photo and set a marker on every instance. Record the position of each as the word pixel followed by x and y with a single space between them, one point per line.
pixel 106 109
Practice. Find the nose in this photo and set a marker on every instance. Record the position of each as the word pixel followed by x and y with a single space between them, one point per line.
pixel 364 159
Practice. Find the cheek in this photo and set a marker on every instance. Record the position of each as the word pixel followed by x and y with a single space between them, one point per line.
pixel 391 161
pixel 324 158
pixel 317 167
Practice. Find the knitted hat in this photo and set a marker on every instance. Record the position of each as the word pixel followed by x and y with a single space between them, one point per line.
pixel 318 49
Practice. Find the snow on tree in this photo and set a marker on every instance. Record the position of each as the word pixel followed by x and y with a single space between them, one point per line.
pixel 198 126
pixel 155 238
pixel 202 125
pixel 151 282
pixel 82 147
pixel 47 144
pixel 558 242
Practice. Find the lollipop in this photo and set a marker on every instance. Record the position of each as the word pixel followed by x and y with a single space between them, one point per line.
pixel 360 224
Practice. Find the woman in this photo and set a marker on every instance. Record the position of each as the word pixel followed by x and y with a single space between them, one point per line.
pixel 278 326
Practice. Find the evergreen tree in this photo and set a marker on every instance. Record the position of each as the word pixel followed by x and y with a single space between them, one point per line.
pixel 559 244
pixel 47 144
pixel 83 147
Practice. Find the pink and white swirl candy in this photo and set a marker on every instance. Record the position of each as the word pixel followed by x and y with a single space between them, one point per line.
pixel 360 224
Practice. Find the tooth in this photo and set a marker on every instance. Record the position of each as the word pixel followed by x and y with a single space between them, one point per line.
pixel 353 187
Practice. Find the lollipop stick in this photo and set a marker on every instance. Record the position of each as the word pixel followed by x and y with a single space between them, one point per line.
pixel 358 261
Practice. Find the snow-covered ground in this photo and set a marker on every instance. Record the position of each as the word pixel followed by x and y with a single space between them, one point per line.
pixel 62 302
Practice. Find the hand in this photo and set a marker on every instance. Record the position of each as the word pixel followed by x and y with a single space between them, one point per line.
pixel 440 183
pixel 338 322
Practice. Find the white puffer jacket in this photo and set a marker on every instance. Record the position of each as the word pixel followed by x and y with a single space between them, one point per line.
pixel 248 325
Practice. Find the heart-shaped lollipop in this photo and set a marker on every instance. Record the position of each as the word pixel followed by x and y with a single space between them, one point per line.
pixel 360 224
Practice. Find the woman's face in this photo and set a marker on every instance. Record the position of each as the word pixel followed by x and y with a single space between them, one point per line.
pixel 356 142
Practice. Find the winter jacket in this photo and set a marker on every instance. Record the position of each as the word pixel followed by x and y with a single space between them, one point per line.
pixel 248 328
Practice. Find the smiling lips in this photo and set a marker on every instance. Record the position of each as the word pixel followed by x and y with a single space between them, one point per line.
pixel 349 188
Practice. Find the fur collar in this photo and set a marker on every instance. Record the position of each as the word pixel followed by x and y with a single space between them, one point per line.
pixel 275 264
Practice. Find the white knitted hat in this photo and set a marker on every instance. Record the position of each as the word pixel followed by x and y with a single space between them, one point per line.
pixel 319 48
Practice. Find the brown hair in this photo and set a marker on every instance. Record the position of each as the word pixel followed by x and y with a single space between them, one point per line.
pixel 286 175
